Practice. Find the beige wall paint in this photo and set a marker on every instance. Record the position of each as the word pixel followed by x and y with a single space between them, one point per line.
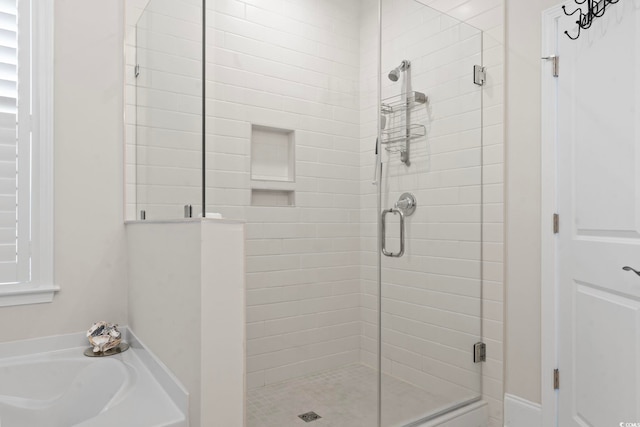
pixel 90 245
pixel 523 221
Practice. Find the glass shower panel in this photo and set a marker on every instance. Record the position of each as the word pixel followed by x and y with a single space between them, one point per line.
pixel 168 110
pixel 431 267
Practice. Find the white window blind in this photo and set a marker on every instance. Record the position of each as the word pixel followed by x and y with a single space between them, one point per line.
pixel 26 152
pixel 15 141
pixel 8 57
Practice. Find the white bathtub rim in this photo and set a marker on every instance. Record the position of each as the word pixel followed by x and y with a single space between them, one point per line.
pixel 129 380
pixel 50 344
pixel 35 346
pixel 167 380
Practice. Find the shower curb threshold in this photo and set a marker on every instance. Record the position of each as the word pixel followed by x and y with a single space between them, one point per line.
pixel 474 414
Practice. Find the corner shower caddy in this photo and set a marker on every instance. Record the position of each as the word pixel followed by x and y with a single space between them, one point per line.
pixel 397 139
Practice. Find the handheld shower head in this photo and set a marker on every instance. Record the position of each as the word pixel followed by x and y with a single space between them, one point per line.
pixel 394 75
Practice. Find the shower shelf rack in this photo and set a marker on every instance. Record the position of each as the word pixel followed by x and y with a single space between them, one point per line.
pixel 393 136
pixel 399 103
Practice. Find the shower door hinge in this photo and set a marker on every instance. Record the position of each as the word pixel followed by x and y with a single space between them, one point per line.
pixel 136 70
pixel 479 75
pixel 556 223
pixel 556 64
pixel 556 379
pixel 479 352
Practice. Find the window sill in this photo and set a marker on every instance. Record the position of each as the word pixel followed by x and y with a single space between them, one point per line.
pixel 11 295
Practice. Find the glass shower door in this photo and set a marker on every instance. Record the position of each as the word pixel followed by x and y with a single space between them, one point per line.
pixel 431 213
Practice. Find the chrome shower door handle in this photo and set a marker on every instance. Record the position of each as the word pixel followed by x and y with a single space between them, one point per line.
pixel 384 233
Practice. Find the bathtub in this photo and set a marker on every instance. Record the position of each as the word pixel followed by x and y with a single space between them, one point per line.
pixel 64 388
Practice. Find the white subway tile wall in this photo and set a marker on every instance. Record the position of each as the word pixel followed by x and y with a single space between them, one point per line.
pixel 291 66
pixel 310 66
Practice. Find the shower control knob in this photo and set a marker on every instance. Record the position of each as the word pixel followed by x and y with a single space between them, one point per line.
pixel 407 204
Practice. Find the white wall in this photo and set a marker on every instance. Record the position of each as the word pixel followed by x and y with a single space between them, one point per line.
pixel 523 230
pixel 164 298
pixel 223 334
pixel 187 300
pixel 90 249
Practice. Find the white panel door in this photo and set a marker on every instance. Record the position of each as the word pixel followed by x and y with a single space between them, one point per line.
pixel 599 206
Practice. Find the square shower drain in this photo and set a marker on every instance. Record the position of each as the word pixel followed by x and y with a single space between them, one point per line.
pixel 309 416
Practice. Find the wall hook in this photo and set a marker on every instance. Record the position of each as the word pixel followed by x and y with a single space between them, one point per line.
pixel 595 9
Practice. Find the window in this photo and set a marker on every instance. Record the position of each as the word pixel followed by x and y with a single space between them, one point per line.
pixel 26 152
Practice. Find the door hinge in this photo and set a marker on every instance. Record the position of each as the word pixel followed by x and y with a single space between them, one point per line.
pixel 556 223
pixel 188 211
pixel 556 64
pixel 556 379
pixel 479 352
pixel 479 75
pixel 136 70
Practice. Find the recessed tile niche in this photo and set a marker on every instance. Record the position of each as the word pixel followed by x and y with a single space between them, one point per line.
pixel 272 197
pixel 272 166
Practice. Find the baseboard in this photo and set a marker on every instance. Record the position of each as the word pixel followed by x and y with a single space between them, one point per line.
pixel 520 412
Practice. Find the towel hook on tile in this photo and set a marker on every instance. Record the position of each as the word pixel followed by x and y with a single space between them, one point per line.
pixel 595 9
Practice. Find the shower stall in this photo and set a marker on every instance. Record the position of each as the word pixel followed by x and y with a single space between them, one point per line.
pixel 348 136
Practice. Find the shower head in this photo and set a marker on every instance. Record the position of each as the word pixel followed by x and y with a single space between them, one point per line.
pixel 394 75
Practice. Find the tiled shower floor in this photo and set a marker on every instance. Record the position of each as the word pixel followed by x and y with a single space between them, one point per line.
pixel 344 397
